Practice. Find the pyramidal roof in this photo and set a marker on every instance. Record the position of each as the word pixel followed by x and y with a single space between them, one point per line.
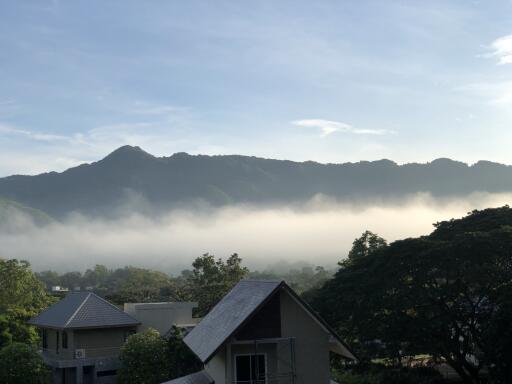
pixel 82 310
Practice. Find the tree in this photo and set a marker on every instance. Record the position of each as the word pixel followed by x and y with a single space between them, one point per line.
pixel 211 279
pixel 366 244
pixel 448 295
pixel 136 285
pixel 181 360
pixel 96 277
pixel 49 278
pixel 144 359
pixel 21 364
pixel 22 296
pixel 71 280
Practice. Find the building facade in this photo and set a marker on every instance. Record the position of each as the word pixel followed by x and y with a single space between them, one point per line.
pixel 263 333
pixel 82 336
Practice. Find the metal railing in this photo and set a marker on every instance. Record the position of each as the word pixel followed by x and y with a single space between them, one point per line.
pixel 88 353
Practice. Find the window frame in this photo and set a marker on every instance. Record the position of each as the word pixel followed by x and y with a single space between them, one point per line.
pixel 44 337
pixel 64 340
pixel 251 381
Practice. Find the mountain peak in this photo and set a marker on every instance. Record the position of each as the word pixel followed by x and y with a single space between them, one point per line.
pixel 128 149
pixel 127 154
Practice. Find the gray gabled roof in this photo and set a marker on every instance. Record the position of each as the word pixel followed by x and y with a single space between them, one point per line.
pixel 228 315
pixel 82 310
pixel 195 378
pixel 236 308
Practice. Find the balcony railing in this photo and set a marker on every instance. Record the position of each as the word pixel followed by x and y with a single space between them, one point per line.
pixel 81 353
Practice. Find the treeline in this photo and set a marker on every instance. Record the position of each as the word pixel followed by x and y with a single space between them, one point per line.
pixel 445 298
pixel 131 284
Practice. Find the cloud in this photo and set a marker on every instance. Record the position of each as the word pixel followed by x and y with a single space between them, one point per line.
pixel 328 126
pixel 502 49
pixel 320 231
pixel 38 136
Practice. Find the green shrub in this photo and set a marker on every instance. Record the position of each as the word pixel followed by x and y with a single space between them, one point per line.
pixel 21 364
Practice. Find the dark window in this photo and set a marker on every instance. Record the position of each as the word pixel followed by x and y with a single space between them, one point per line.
pixel 111 372
pixel 250 369
pixel 45 339
pixel 57 341
pixel 65 340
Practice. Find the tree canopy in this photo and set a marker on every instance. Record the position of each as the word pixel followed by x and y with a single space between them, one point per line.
pixel 21 364
pixel 447 295
pixel 149 358
pixel 144 359
pixel 211 279
pixel 22 296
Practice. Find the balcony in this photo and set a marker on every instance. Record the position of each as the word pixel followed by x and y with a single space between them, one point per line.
pixel 80 356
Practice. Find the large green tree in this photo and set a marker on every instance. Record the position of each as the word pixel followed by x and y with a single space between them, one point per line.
pixel 144 359
pixel 136 285
pixel 211 279
pixel 21 364
pixel 364 245
pixel 447 295
pixel 22 296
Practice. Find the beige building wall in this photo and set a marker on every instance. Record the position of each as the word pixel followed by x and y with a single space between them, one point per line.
pixel 311 342
pixel 101 342
pixel 162 316
pixel 216 367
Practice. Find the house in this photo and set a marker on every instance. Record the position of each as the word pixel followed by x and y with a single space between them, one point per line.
pixel 82 335
pixel 163 316
pixel 262 332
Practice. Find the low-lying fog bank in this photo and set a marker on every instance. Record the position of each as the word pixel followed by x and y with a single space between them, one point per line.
pixel 319 232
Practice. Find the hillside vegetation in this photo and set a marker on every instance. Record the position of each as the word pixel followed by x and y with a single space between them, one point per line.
pixel 130 177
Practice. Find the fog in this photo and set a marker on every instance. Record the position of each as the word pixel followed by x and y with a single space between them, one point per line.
pixel 319 232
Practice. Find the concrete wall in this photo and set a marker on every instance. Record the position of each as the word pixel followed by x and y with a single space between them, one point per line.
pixel 162 316
pixel 102 341
pixel 311 342
pixel 63 353
pixel 217 367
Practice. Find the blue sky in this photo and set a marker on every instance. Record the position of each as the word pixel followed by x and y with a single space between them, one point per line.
pixel 330 81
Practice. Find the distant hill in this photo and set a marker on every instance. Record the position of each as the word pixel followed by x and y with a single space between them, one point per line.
pixel 129 172
pixel 10 208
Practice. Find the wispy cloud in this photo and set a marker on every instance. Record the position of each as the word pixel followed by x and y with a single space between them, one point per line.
pixel 38 136
pixel 328 126
pixel 502 49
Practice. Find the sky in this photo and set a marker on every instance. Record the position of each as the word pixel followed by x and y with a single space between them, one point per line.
pixel 330 81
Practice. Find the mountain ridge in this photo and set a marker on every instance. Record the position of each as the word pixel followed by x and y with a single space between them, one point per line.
pixel 128 172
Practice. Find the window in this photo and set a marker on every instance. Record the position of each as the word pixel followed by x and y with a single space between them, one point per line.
pixel 250 369
pixel 45 339
pixel 65 340
pixel 111 372
pixel 57 341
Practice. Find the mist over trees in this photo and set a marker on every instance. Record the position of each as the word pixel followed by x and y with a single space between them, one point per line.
pixel 446 297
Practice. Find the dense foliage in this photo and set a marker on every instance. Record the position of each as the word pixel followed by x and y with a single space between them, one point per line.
pixel 21 364
pixel 21 296
pixel 149 358
pixel 144 359
pixel 211 279
pixel 447 295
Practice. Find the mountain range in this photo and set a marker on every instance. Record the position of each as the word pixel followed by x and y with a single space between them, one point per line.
pixel 130 175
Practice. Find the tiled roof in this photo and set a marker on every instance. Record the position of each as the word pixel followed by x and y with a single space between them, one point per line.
pixel 228 315
pixel 195 378
pixel 82 310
